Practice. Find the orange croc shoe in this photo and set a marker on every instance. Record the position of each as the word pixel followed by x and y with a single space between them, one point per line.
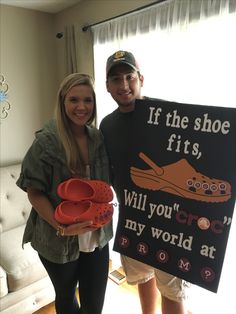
pixel 68 212
pixel 77 190
pixel 181 179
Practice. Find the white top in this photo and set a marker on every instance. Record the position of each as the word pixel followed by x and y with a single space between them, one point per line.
pixel 89 240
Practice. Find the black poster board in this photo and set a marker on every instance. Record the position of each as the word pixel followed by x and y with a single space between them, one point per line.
pixel 178 189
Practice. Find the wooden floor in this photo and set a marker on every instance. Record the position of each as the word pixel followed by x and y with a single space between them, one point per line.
pixel 122 299
pixel 119 299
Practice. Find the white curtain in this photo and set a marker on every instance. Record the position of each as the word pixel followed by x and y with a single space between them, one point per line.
pixel 186 50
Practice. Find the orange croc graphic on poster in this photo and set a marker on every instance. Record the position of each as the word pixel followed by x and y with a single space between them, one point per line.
pixel 181 179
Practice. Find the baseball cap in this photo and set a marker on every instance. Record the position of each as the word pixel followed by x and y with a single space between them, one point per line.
pixel 121 57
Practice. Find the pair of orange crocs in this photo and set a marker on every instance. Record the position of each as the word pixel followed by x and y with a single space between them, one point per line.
pixel 84 200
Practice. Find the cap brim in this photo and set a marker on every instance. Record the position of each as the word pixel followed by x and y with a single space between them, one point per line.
pixel 119 63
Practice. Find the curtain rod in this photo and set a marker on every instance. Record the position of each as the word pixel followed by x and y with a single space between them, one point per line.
pixel 86 27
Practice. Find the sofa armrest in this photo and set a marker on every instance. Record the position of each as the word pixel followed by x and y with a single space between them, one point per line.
pixel 3 283
pixel 15 206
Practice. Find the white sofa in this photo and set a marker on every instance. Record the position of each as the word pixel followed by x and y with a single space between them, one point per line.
pixel 24 284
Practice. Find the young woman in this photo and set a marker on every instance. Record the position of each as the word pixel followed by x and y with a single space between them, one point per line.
pixel 68 146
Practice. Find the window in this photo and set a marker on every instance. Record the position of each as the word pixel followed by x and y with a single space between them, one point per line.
pixel 187 61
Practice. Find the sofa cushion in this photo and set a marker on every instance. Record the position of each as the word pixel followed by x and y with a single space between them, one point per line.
pixel 29 299
pixel 23 266
pixel 3 283
pixel 15 206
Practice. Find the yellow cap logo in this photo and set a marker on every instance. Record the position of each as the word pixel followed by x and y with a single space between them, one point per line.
pixel 119 54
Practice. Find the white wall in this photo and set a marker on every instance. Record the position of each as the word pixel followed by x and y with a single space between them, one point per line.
pixel 28 63
pixel 32 61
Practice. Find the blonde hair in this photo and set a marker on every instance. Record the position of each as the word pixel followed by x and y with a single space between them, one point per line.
pixel 73 157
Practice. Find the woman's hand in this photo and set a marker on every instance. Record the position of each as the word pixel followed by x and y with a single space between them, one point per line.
pixel 79 228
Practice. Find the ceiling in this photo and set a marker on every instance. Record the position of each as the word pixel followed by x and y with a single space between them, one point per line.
pixel 48 6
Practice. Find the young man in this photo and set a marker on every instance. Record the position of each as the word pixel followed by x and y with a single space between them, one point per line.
pixel 124 83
